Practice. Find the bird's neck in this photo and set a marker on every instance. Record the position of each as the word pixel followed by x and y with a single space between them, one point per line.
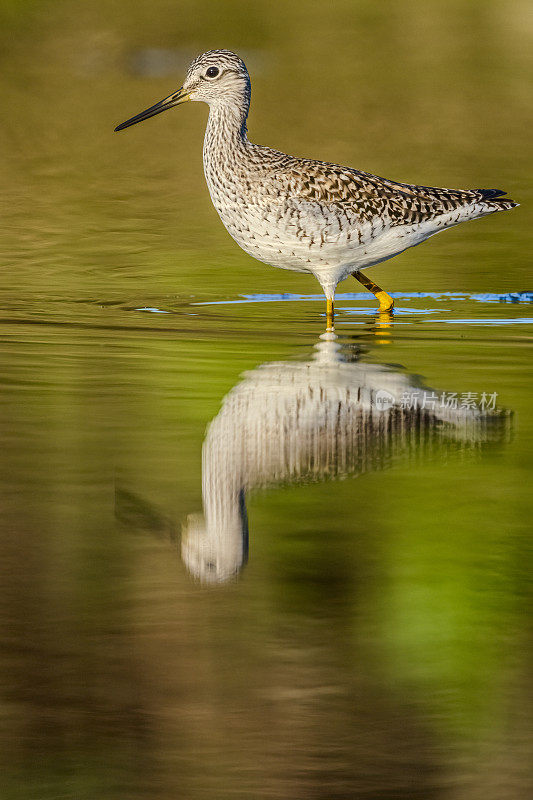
pixel 226 128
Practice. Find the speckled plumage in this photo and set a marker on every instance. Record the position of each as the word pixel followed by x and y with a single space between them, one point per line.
pixel 305 215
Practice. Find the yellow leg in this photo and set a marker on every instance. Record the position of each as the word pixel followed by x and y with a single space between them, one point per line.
pixel 386 303
pixel 330 313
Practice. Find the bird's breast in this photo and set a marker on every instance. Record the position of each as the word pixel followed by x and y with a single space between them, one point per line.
pixel 267 225
pixel 256 220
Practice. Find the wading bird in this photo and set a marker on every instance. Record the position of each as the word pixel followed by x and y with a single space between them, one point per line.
pixel 305 215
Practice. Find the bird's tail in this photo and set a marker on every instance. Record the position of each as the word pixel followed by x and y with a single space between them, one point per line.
pixel 494 200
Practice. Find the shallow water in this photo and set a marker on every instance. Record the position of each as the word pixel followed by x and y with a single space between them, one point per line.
pixel 331 601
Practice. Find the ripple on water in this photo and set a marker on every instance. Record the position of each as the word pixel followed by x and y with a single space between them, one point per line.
pixel 459 301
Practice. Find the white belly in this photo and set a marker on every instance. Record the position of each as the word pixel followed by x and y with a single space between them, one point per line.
pixel 273 237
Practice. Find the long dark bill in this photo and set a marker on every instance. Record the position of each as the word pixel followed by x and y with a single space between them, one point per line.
pixel 169 102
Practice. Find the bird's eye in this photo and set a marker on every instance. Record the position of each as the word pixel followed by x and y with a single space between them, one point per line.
pixel 212 72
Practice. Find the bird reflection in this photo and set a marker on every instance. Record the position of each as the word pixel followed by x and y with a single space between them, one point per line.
pixel 298 422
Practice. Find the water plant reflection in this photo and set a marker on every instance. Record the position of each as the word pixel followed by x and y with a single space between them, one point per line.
pixel 297 422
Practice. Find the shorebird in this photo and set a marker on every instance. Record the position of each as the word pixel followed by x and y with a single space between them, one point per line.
pixel 306 215
pixel 297 422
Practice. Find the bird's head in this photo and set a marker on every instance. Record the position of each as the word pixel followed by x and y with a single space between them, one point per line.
pixel 217 77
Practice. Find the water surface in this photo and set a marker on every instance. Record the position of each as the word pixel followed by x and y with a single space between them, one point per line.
pixel 361 631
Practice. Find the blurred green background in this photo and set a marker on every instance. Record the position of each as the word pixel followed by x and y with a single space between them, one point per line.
pixel 377 644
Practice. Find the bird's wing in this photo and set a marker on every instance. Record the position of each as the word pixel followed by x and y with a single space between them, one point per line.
pixel 369 196
pixel 364 197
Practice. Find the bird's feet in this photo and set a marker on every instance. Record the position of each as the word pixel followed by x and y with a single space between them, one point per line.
pixel 386 303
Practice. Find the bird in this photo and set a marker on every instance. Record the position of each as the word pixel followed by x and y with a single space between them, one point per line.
pixel 305 215
pixel 299 422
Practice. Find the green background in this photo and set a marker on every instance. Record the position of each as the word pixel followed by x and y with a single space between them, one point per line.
pixel 376 645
